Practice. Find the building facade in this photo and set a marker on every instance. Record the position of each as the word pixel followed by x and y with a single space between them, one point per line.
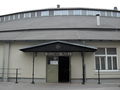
pixel 60 45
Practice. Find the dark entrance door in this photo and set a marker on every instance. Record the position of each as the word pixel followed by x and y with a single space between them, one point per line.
pixel 63 69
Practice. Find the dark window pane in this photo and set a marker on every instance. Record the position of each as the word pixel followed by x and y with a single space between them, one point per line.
pixel 109 63
pixel 102 63
pixel 114 63
pixel 111 51
pixel 100 51
pixel 97 62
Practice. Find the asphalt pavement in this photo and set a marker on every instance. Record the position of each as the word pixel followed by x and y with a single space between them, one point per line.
pixel 57 86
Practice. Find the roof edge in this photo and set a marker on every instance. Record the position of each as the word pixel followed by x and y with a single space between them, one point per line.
pixel 107 29
pixel 63 8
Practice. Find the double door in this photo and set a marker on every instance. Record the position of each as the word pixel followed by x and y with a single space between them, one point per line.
pixel 58 68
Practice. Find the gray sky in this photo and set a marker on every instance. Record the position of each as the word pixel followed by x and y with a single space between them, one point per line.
pixel 12 6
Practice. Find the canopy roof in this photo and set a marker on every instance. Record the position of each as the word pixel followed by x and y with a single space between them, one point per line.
pixel 59 46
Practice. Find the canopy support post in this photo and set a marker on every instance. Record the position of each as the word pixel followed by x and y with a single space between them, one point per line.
pixel 83 68
pixel 33 68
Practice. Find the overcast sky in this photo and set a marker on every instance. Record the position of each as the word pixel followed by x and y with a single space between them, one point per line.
pixel 12 6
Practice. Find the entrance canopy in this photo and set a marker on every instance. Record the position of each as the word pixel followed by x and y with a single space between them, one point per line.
pixel 59 46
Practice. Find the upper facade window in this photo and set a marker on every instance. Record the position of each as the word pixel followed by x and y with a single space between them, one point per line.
pixel 85 12
pixel 60 12
pixel 44 13
pixel 36 14
pixel 118 14
pixel 77 12
pixel 106 59
pixel 27 15
pixel 0 19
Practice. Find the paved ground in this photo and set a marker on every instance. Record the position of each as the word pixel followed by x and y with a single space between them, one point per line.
pixel 51 86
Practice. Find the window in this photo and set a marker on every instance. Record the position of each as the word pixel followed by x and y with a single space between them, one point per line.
pixel 96 12
pixel 4 18
pixel 13 16
pixel 44 13
pixel 61 12
pixel 118 14
pixel 115 14
pixel 102 13
pixel 77 12
pixel 83 12
pixel 108 13
pixel 36 14
pixel 27 15
pixel 8 17
pixel 106 59
pixel 0 19
pixel 18 16
pixel 90 12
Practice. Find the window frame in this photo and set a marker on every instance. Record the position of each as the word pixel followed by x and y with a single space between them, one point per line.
pixel 106 60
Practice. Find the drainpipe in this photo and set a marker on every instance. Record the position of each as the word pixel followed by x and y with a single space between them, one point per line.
pixel 98 19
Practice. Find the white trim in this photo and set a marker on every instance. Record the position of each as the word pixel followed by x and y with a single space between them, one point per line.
pixel 108 70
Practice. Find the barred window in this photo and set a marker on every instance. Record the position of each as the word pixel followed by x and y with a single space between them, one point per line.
pixel 106 59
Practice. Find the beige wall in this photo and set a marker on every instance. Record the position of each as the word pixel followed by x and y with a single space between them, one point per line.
pixel 1 57
pixel 19 59
pixel 76 65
